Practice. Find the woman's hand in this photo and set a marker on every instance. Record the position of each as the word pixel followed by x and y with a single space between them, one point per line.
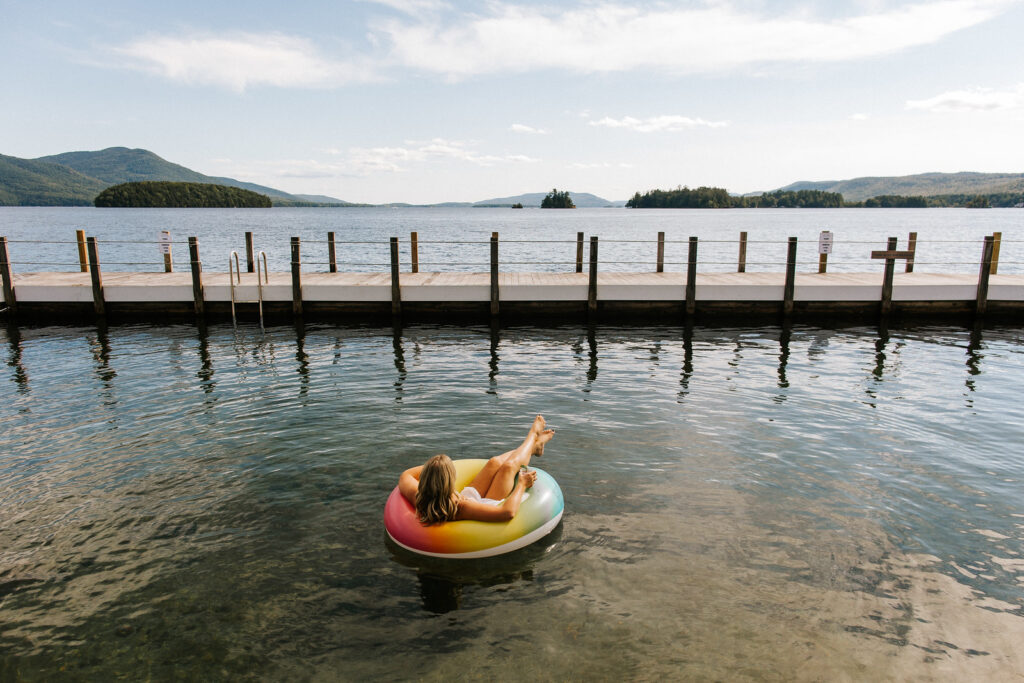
pixel 528 478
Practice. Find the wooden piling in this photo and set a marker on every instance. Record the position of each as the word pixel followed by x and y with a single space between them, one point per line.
pixel 199 302
pixel 981 302
pixel 790 287
pixel 10 301
pixel 592 282
pixel 414 248
pixel 890 267
pixel 250 264
pixel 824 248
pixel 661 252
pixel 98 304
pixel 579 252
pixel 396 287
pixel 691 278
pixel 165 249
pixel 494 274
pixel 742 265
pixel 296 278
pixel 83 258
pixel 332 263
pixel 997 237
pixel 912 248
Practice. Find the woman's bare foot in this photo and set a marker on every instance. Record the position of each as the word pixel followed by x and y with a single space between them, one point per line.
pixel 542 438
pixel 538 425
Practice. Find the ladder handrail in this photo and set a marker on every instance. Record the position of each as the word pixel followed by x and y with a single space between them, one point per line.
pixel 235 273
pixel 259 285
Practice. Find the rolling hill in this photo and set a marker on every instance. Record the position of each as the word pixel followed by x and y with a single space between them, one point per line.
pixel 31 182
pixel 75 178
pixel 922 184
pixel 583 200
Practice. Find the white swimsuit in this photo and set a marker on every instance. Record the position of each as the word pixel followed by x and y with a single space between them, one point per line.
pixel 470 493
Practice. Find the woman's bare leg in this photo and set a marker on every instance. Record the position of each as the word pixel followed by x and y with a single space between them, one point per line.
pixel 505 477
pixel 496 478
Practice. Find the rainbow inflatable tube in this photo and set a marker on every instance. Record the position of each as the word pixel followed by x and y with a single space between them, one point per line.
pixel 538 515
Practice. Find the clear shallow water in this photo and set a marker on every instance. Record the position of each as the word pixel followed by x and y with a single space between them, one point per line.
pixel 949 240
pixel 740 504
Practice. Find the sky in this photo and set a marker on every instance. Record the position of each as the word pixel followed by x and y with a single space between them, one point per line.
pixel 426 101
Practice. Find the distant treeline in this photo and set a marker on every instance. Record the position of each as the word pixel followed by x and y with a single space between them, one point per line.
pixel 719 198
pixel 159 194
pixel 971 201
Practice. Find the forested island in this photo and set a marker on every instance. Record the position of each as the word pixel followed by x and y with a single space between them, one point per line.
pixel 557 200
pixel 173 195
pixel 719 198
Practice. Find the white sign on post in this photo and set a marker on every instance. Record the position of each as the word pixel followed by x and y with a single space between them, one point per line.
pixel 825 242
pixel 165 242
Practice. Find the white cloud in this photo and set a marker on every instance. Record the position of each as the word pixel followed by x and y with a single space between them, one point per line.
pixel 858 117
pixel 363 161
pixel 240 61
pixel 589 38
pixel 974 99
pixel 611 37
pixel 523 128
pixel 657 124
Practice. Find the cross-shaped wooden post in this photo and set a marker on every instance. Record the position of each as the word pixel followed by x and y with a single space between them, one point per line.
pixel 890 255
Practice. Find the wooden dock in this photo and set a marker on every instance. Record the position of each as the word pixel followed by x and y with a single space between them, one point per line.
pixel 619 296
pixel 526 297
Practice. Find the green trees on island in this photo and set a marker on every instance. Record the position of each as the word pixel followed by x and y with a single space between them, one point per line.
pixel 684 198
pixel 159 194
pixel 557 200
pixel 979 202
pixel 895 201
pixel 719 198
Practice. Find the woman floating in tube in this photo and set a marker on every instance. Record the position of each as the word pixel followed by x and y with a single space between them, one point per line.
pixel 494 494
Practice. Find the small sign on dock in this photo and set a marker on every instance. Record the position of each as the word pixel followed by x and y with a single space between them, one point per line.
pixel 825 242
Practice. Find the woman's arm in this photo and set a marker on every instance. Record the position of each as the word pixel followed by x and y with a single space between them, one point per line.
pixel 409 483
pixel 482 512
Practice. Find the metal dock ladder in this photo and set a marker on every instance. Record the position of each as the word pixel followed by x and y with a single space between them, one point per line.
pixel 235 273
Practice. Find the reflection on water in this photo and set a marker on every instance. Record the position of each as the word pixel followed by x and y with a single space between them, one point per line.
pixel 794 503
pixel 444 582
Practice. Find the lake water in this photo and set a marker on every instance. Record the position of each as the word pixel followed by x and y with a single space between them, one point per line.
pixel 741 504
pixel 949 240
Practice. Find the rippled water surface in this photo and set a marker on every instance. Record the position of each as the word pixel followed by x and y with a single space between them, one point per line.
pixel 741 504
pixel 949 240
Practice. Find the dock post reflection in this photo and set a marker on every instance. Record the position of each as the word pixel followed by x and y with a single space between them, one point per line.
pixel 974 357
pixel 492 363
pixel 883 340
pixel 100 346
pixel 206 371
pixel 591 356
pixel 684 378
pixel 399 352
pixel 784 338
pixel 303 360
pixel 14 361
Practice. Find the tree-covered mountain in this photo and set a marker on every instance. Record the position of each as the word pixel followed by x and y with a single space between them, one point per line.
pixel 75 178
pixel 922 184
pixel 30 182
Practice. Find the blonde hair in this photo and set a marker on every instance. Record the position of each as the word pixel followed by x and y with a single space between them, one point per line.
pixel 436 499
